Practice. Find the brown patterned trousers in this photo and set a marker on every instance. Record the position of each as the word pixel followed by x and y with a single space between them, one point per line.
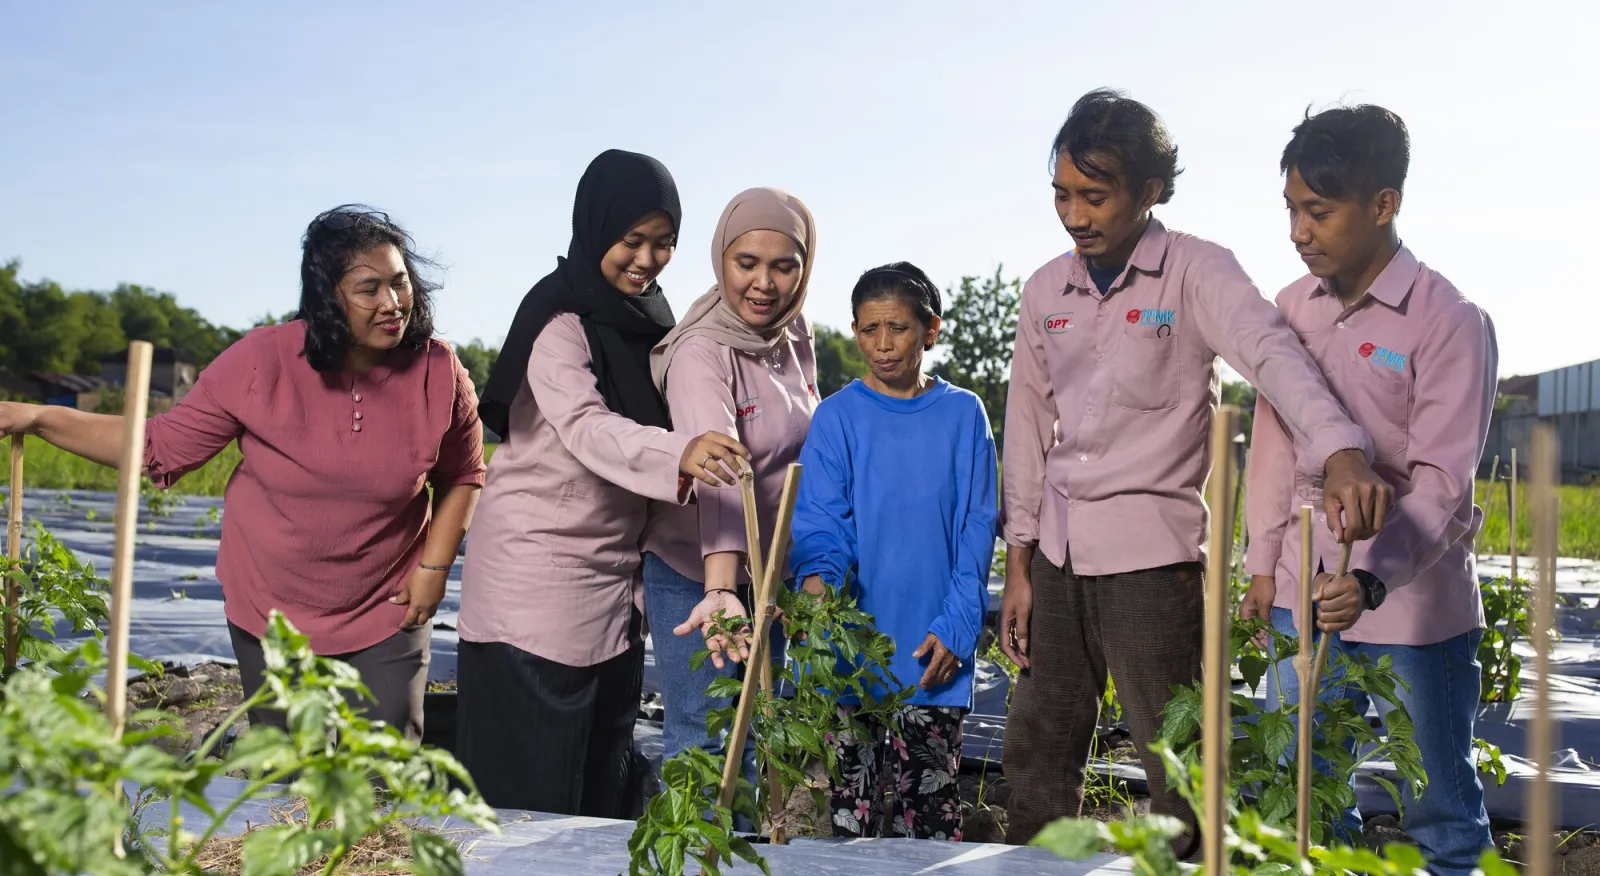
pixel 1145 630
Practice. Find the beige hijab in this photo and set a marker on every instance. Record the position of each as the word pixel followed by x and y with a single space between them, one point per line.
pixel 760 209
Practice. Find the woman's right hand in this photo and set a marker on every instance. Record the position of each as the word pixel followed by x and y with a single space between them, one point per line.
pixel 700 620
pixel 17 418
pixel 713 456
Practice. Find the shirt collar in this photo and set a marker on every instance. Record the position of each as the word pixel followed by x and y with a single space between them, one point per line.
pixel 1148 257
pixel 1393 284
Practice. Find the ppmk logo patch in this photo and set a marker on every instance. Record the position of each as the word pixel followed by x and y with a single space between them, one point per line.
pixel 1383 356
pixel 1151 316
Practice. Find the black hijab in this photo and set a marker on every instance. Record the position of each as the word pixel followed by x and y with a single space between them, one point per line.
pixel 618 189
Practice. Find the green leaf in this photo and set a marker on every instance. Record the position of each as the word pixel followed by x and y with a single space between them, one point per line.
pixel 433 855
pixel 1073 838
pixel 274 851
pixel 263 748
pixel 1491 864
pixel 340 796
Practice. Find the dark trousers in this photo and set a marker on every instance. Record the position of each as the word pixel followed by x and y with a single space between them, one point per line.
pixel 1145 630
pixel 547 737
pixel 395 670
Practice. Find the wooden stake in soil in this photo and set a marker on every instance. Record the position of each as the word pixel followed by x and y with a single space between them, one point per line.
pixel 765 593
pixel 762 662
pixel 1511 510
pixel 1541 735
pixel 1217 729
pixel 1302 665
pixel 13 633
pixel 1488 503
pixel 129 469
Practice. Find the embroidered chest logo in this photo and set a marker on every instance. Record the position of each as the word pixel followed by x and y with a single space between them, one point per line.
pixel 1383 356
pixel 747 410
pixel 812 389
pixel 1058 323
pixel 1161 319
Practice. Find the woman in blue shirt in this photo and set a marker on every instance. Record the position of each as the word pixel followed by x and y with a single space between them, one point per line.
pixel 898 502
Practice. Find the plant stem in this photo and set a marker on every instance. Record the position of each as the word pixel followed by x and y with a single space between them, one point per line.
pixel 223 816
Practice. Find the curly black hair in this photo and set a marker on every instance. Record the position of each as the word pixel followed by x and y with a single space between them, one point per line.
pixel 331 243
pixel 1110 135
pixel 904 281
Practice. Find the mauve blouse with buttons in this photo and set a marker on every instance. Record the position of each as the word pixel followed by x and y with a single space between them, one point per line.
pixel 328 512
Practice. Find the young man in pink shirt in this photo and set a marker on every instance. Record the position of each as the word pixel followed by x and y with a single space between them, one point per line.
pixel 1414 363
pixel 1113 384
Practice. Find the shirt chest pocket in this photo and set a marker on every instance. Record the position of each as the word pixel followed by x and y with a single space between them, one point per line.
pixel 1145 371
pixel 1381 403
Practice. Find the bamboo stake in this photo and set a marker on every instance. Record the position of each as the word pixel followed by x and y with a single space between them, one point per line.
pixel 13 632
pixel 764 599
pixel 1511 492
pixel 1217 730
pixel 1303 670
pixel 762 661
pixel 1542 733
pixel 1320 664
pixel 1488 503
pixel 129 469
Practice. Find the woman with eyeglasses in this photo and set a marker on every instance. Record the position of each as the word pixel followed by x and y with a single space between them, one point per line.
pixel 345 417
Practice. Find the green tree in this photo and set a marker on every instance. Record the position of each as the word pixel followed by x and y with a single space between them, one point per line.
pixel 839 360
pixel 980 327
pixel 478 358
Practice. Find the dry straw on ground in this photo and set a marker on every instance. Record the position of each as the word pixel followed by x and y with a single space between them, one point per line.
pixel 377 853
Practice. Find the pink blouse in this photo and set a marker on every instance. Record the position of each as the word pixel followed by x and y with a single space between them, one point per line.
pixel 553 562
pixel 328 511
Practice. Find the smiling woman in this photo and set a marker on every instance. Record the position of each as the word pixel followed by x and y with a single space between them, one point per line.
pixel 344 418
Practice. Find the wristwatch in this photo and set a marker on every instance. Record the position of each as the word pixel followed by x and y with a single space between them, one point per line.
pixel 1373 590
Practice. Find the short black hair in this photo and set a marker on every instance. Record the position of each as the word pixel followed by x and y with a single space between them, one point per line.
pixel 904 281
pixel 1109 135
pixel 331 242
pixel 1355 151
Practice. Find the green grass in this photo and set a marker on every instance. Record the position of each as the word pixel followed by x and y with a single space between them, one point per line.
pixel 48 468
pixel 1580 521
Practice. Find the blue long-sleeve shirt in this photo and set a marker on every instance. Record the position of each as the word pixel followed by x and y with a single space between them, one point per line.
pixel 898 496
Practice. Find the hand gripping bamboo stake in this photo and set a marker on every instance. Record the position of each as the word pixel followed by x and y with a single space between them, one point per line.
pixel 1217 729
pixel 763 661
pixel 1320 664
pixel 1302 665
pixel 1542 733
pixel 129 470
pixel 1488 503
pixel 13 633
pixel 765 591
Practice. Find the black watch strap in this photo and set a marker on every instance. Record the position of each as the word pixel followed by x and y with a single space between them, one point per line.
pixel 1373 590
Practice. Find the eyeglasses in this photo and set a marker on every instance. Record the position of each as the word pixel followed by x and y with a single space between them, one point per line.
pixel 343 220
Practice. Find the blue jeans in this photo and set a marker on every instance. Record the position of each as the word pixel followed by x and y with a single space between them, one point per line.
pixel 1448 821
pixel 669 598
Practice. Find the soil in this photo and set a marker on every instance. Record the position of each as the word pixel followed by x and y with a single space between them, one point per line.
pixel 203 696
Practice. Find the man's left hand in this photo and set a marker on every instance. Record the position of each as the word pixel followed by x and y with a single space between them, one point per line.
pixel 1339 602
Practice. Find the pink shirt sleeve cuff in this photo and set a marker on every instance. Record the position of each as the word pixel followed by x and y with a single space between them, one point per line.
pixel 1262 557
pixel 1314 462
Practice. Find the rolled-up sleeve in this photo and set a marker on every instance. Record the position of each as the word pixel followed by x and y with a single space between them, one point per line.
pixel 461 452
pixel 1030 425
pixel 204 422
pixel 1249 333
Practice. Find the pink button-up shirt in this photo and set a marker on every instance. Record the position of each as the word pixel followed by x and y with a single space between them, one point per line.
pixel 553 561
pixel 765 402
pixel 327 514
pixel 1111 398
pixel 1414 362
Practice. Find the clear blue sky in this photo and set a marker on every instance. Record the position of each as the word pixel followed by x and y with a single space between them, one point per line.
pixel 184 146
